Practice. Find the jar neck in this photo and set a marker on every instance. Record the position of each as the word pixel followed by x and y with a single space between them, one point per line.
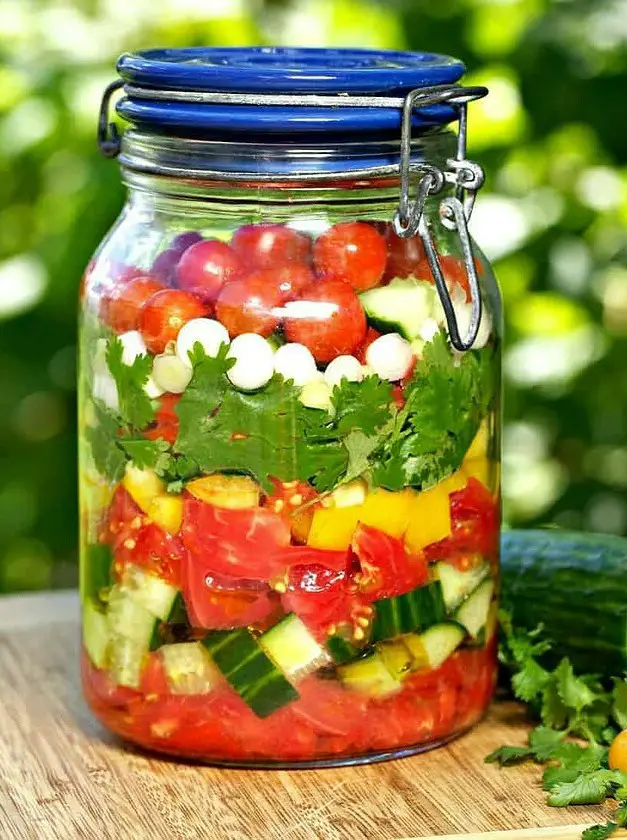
pixel 171 168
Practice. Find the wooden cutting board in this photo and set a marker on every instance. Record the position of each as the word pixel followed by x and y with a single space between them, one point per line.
pixel 62 777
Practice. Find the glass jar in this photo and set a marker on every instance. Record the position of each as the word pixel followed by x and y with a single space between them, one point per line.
pixel 289 414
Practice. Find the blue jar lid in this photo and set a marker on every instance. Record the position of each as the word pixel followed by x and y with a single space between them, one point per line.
pixel 170 74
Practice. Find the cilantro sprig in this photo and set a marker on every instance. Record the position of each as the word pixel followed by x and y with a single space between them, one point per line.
pixel 569 707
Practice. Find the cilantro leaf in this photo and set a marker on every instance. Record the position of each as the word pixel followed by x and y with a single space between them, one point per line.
pixel 588 788
pixel 530 681
pixel 544 741
pixel 506 756
pixel 148 454
pixel 599 832
pixel 363 406
pixel 572 690
pixel 108 458
pixel 136 409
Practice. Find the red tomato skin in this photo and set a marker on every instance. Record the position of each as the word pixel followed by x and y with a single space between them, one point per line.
pixel 134 538
pixel 218 603
pixel 338 331
pixel 121 307
pixel 164 313
pixel 354 252
pixel 235 543
pixel 321 597
pixel 205 267
pixel 153 678
pixel 290 279
pixel 386 568
pixel 250 305
pixel 166 425
pixel 268 245
pixel 475 519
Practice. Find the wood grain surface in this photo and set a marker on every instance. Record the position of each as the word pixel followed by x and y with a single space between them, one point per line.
pixel 62 777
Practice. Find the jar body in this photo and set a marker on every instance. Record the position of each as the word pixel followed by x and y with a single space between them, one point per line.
pixel 289 483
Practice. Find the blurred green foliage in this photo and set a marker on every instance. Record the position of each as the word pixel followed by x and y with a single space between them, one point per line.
pixel 553 217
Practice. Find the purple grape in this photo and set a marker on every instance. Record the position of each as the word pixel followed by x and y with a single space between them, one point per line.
pixel 164 267
pixel 184 241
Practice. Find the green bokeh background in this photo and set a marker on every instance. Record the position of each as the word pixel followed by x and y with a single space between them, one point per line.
pixel 553 217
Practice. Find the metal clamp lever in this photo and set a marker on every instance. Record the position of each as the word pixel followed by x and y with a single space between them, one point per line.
pixel 109 140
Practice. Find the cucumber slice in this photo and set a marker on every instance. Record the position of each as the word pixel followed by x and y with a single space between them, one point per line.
pixel 96 571
pixel 126 660
pixel 162 630
pixel 129 619
pixel 435 645
pixel 473 613
pixel 414 611
pixel 150 591
pixel 255 677
pixel 402 306
pixel 188 668
pixel 457 585
pixel 292 647
pixel 341 649
pixel 95 633
pixel 369 675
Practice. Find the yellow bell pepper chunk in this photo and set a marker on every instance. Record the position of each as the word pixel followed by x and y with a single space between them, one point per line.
pixel 479 446
pixel 235 492
pixel 332 528
pixel 430 517
pixel 166 511
pixel 388 512
pixel 479 468
pixel 142 485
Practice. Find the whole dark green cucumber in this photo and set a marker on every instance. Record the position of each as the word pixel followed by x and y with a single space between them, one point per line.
pixel 576 585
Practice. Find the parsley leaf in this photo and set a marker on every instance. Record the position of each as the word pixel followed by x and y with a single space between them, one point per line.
pixel 136 408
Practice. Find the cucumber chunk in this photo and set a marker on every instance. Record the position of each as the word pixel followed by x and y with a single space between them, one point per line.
pixel 245 665
pixel 95 571
pixel 402 306
pixel 369 675
pixel 414 611
pixel 473 613
pixel 95 633
pixel 188 668
pixel 126 660
pixel 150 591
pixel 292 647
pixel 340 649
pixel 129 619
pixel 457 585
pixel 436 644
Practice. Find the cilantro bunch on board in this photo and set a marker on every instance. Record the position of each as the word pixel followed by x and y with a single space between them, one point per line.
pixel 579 717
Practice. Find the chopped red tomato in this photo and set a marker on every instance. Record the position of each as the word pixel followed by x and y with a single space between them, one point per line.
pixel 386 568
pixel 475 520
pixel 153 679
pixel 218 602
pixel 166 423
pixel 321 597
pixel 134 538
pixel 237 543
pixel 287 500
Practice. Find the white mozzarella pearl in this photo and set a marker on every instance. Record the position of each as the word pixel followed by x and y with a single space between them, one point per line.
pixel 343 367
pixel 105 390
pixel 133 345
pixel 254 362
pixel 171 373
pixel 294 361
pixel 390 356
pixel 207 332
pixel 429 329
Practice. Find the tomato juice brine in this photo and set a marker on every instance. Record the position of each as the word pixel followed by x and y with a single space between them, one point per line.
pixel 290 412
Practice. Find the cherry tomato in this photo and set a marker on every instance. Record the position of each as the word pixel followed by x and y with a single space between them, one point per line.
pixel 371 335
pixel 618 752
pixel 250 305
pixel 236 543
pixel 134 538
pixel 336 327
pixel 163 315
pixel 287 500
pixel 406 257
pixel 185 240
pixel 206 266
pixel 290 279
pixel 386 568
pixel 120 309
pixel 153 679
pixel 268 245
pixel 351 251
pixel 166 423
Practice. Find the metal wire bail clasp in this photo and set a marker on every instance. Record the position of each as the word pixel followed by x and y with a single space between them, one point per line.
pixel 109 140
pixel 467 177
